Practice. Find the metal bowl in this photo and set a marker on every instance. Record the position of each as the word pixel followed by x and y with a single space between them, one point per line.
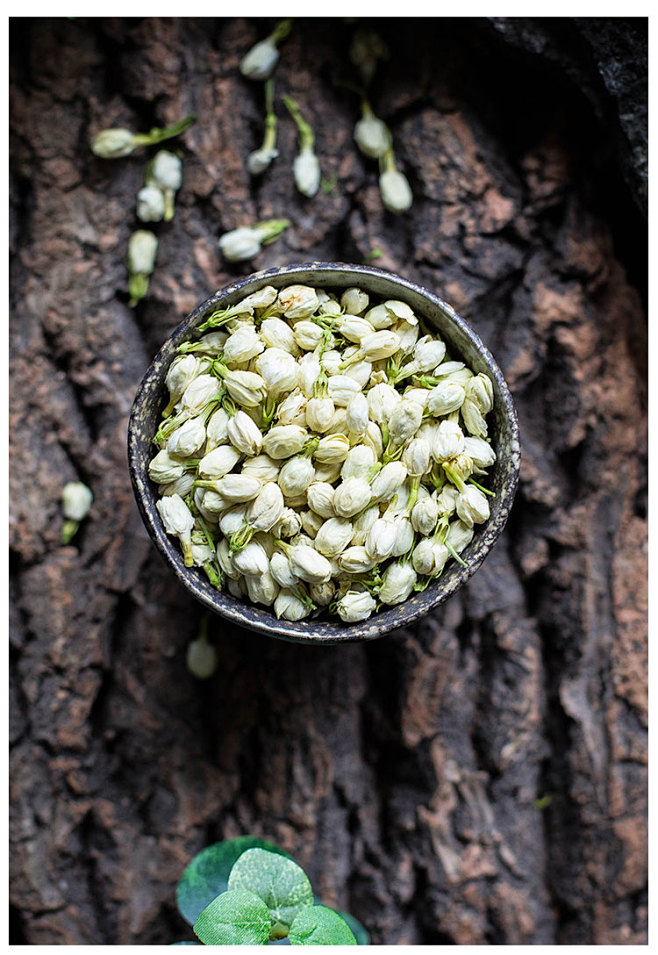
pixel 461 340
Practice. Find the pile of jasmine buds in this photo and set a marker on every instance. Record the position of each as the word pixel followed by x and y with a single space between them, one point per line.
pixel 320 451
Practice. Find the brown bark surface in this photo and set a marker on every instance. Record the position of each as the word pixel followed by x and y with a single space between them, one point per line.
pixel 404 774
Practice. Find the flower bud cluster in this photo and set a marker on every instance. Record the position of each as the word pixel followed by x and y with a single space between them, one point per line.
pixel 318 452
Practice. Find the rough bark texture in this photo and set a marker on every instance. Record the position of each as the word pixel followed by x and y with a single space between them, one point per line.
pixel 404 774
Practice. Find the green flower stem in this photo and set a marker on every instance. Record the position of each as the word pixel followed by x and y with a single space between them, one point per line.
pixel 387 161
pixel 158 135
pixel 241 537
pixel 213 574
pixel 392 452
pixel 370 476
pixel 269 140
pixel 456 479
pixel 280 31
pixel 310 447
pixel 271 229
pixel 304 130
pixel 413 492
pixel 138 286
pixel 485 490
pixel 196 513
pixel 269 410
pixel 69 530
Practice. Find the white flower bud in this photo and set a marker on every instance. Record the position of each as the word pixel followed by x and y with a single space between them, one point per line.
pixel 479 451
pixel 424 515
pixel 279 371
pixel 417 394
pixel 362 525
pixel 334 536
pixel 309 369
pixel 218 462
pixel 308 335
pixel 382 401
pixel 448 441
pixel 217 429
pixel 244 434
pixel 472 506
pixel 182 371
pixel 399 580
pixel 178 521
pixel 306 171
pixel 355 606
pixel 113 143
pixel 267 509
pixel 198 393
pixel 331 361
pixel 311 522
pixel 379 345
pixel 289 525
pixel 150 204
pixel 237 587
pixel 232 520
pixel 262 589
pixel 308 564
pixel 322 594
pixel 166 170
pixel 245 387
pixel 296 475
pixel 404 421
pixel 289 607
pixel 292 409
pixel 388 480
pixel 252 560
pixel 319 414
pixel 381 539
pixel 280 570
pixel 278 334
pixel 163 468
pixel 356 560
pixel 354 301
pixel 259 160
pixel 262 467
pixel 259 62
pixel 245 343
pixel 408 335
pixel 182 485
pixel 404 536
pixel 142 249
pixel 473 419
pixel 320 497
pixel 332 449
pixel 188 439
pixel 357 414
pixel 417 457
pixel 447 397
pixel 327 473
pixel 342 389
pixel 459 535
pixel 447 500
pixel 225 559
pixel 372 136
pixel 351 496
pixel 282 441
pixel 373 439
pixel 354 329
pixel 428 353
pixel 360 372
pixel 238 487
pixel 76 500
pixel 240 244
pixel 429 557
pixel 480 391
pixel 298 301
pixel 201 659
pixel 396 191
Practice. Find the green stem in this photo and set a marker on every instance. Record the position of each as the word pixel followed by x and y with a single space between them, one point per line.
pixel 158 135
pixel 280 31
pixel 456 479
pixel 304 130
pixel 69 530
pixel 271 229
pixel 484 490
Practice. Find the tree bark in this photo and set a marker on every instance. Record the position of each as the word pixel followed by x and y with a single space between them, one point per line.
pixel 477 778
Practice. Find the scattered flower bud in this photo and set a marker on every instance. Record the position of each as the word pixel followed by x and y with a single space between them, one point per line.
pixel 372 136
pixel 150 204
pixel 259 62
pixel 245 242
pixel 201 658
pixel 142 249
pixel 395 191
pixel 306 170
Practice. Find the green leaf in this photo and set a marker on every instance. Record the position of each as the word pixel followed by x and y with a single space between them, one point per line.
pixel 320 926
pixel 234 918
pixel 206 876
pixel 360 933
pixel 278 881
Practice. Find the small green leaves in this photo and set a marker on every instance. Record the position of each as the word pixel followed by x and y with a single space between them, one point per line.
pixel 207 874
pixel 320 926
pixel 236 917
pixel 278 881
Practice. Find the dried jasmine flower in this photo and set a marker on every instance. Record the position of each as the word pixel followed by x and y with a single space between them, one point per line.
pixel 76 502
pixel 259 62
pixel 244 243
pixel 371 134
pixel 393 185
pixel 117 143
pixel 306 167
pixel 315 456
pixel 142 249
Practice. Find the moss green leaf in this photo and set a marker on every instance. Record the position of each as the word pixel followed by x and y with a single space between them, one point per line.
pixel 206 876
pixel 319 925
pixel 234 918
pixel 277 880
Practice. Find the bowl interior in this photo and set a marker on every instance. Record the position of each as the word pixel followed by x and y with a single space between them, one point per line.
pixel 461 341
